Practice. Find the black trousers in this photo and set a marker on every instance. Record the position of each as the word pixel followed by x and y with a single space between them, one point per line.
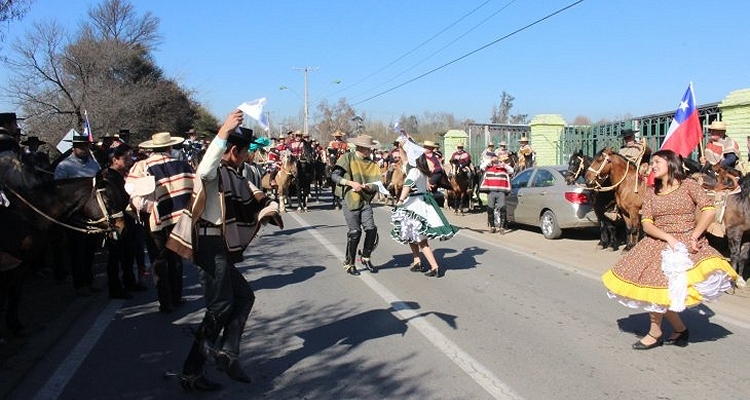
pixel 167 270
pixel 81 249
pixel 120 258
pixel 229 300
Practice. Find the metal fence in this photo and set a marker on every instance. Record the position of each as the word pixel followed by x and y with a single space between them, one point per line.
pixel 482 134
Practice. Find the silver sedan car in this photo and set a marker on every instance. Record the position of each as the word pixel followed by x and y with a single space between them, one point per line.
pixel 540 197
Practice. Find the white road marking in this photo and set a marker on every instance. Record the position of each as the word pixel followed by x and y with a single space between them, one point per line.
pixel 57 382
pixel 474 369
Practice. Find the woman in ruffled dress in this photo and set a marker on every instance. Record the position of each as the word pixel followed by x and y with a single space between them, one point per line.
pixel 418 218
pixel 673 266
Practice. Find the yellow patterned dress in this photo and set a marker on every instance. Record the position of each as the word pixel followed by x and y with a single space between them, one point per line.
pixel 637 280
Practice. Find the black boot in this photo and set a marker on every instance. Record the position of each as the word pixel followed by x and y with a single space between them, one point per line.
pixel 503 219
pixel 230 364
pixel 371 241
pixel 491 219
pixel 352 241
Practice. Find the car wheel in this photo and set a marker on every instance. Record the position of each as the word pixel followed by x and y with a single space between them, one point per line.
pixel 549 226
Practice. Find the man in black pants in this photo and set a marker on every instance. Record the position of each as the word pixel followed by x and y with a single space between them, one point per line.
pixel 222 236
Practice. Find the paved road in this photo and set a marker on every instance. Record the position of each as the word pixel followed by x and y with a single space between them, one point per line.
pixel 515 316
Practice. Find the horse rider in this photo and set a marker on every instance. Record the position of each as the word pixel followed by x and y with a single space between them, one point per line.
pixel 496 183
pixel 461 159
pixel 173 184
pixel 274 158
pixel 485 156
pixel 296 147
pixel 337 147
pixel 393 157
pixel 33 157
pixel 252 170
pixel 81 246
pixel 354 176
pixel 720 149
pixel 635 151
pixel 526 151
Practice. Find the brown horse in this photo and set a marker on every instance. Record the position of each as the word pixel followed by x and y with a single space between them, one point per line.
pixel 461 190
pixel 629 189
pixel 737 227
pixel 397 177
pixel 287 171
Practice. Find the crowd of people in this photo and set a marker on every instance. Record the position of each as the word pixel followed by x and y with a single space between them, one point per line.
pixel 203 201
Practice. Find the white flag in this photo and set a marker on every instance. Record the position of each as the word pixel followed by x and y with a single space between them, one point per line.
pixel 255 110
pixel 67 141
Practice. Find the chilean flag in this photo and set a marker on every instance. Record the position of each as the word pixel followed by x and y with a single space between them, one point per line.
pixel 685 132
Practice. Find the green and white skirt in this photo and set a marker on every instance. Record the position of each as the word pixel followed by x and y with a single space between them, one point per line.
pixel 420 218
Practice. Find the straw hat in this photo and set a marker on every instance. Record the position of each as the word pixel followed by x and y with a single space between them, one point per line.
pixel 364 141
pixel 337 134
pixel 161 139
pixel 503 144
pixel 430 143
pixel 717 126
pixel 523 139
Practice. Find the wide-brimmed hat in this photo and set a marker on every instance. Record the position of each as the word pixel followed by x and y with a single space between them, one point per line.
pixel 628 132
pixel 109 135
pixel 523 139
pixel 337 134
pixel 364 141
pixel 460 145
pixel 161 139
pixel 503 144
pixel 298 133
pixel 717 126
pixel 241 138
pixel 33 140
pixel 78 139
pixel 430 143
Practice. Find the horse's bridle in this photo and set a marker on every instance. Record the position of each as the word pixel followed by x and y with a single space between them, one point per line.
pixel 581 164
pixel 89 228
pixel 598 178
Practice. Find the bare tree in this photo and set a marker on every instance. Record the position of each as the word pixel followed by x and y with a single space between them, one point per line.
pixel 12 10
pixel 501 113
pixel 117 20
pixel 339 117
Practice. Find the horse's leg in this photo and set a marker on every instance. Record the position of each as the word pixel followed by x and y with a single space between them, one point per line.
pixel 634 228
pixel 734 240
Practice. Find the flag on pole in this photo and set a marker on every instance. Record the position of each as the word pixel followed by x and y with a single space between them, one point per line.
pixel 685 132
pixel 255 110
pixel 87 127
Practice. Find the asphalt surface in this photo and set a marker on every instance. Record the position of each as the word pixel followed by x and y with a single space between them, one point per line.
pixel 575 254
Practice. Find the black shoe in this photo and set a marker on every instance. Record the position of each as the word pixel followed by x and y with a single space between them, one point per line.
pixel 681 339
pixel 416 267
pixel 640 346
pixel 198 383
pixel 231 366
pixel 433 272
pixel 367 264
pixel 166 309
pixel 351 269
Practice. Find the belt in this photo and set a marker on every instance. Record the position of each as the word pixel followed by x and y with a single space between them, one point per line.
pixel 208 229
pixel 415 194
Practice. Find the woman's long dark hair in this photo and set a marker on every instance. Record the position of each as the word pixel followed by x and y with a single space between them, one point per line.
pixel 675 172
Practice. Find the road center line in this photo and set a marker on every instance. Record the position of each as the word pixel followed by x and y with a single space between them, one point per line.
pixel 478 372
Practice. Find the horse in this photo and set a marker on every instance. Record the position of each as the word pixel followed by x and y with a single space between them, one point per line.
pixel 624 181
pixel 736 221
pixel 305 176
pixel 284 177
pixel 602 201
pixel 461 189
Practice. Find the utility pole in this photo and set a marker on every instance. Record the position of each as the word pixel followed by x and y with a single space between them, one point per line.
pixel 306 69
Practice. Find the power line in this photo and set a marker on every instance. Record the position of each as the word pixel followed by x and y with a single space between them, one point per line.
pixel 413 49
pixel 471 52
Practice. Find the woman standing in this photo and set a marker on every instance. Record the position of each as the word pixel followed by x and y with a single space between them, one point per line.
pixel 417 218
pixel 673 267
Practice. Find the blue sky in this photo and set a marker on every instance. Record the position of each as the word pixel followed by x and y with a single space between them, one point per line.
pixel 599 59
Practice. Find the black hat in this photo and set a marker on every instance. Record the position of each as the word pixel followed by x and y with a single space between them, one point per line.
pixel 33 140
pixel 628 132
pixel 242 138
pixel 79 139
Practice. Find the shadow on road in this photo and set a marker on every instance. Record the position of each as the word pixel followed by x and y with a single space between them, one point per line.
pixel 697 319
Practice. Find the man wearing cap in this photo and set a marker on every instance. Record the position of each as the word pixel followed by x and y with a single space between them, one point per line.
pixel 81 246
pixel 354 175
pixel 173 184
pixel 720 149
pixel 225 212
pixel 297 145
pixel 434 163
